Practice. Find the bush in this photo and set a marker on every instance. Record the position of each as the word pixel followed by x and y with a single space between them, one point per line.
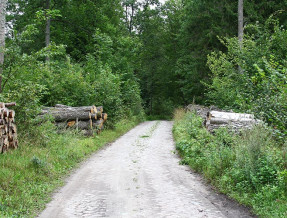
pixel 250 167
pixel 262 87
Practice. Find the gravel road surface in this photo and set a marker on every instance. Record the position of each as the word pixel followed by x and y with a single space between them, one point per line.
pixel 139 176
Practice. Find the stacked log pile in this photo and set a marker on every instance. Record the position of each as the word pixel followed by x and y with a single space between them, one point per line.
pixel 86 118
pixel 8 129
pixel 214 119
pixel 234 121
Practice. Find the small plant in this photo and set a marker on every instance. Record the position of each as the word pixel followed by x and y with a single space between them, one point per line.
pixel 38 163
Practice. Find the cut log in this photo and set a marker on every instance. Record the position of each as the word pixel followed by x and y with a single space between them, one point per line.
pixel 104 116
pixel 229 116
pixel 71 123
pixel 46 110
pixel 220 121
pixel 98 124
pixel 61 125
pixel 100 109
pixel 67 115
pixel 13 128
pixel 81 125
pixel 11 114
pixel 80 118
pixel 85 125
pixel 10 104
pixel 234 121
pixel 8 130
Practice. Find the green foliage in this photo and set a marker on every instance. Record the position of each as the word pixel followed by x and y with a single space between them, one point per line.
pixel 108 93
pixel 41 163
pixel 102 78
pixel 261 88
pixel 201 23
pixel 250 167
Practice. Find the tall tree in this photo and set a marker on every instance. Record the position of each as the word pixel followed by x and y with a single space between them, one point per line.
pixel 240 29
pixel 131 7
pixel 3 4
pixel 240 22
pixel 48 27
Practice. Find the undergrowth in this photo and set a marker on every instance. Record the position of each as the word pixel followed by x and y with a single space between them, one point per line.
pixel 251 167
pixel 31 173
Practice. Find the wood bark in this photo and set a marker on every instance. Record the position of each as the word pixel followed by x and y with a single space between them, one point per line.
pixel 240 29
pixel 3 4
pixel 84 118
pixel 46 110
pixel 10 104
pixel 81 125
pixel 240 22
pixel 104 116
pixel 8 129
pixel 67 115
pixel 48 28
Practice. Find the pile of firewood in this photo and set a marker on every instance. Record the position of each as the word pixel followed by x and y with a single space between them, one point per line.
pixel 86 118
pixel 215 118
pixel 8 129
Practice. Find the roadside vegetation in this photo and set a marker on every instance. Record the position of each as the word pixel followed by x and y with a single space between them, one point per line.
pixel 138 58
pixel 30 174
pixel 251 167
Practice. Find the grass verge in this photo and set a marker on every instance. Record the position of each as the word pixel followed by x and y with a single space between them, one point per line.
pixel 31 173
pixel 251 168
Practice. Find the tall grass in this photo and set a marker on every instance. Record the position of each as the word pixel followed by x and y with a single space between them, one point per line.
pixel 31 173
pixel 251 167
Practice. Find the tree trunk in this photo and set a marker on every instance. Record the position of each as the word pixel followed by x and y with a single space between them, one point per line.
pixel 3 4
pixel 240 29
pixel 48 29
pixel 240 22
pixel 131 19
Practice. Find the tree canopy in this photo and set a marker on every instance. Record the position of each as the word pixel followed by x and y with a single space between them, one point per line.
pixel 140 55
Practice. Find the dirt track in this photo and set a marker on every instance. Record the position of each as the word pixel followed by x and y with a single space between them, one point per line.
pixel 139 176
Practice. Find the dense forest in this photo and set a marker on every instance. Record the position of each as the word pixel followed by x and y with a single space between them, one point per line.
pixel 145 57
pixel 133 55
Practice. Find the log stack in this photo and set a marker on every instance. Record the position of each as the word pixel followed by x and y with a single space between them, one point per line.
pixel 215 118
pixel 8 129
pixel 234 121
pixel 86 118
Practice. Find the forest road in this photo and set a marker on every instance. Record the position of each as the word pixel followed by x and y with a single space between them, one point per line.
pixel 139 176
